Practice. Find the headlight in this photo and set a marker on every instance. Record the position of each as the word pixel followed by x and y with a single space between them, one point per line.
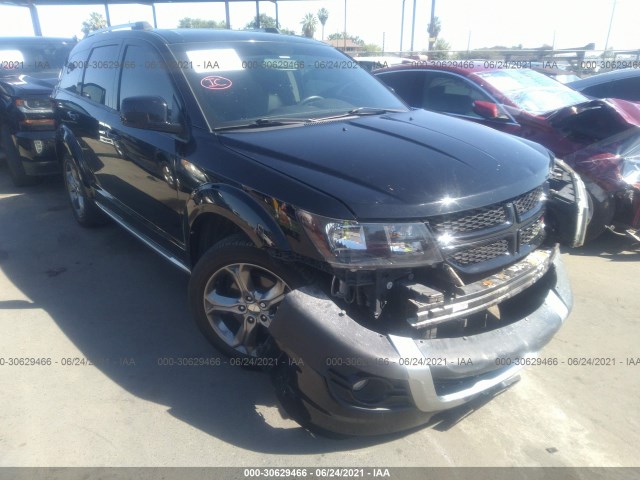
pixel 34 105
pixel 347 243
pixel 631 170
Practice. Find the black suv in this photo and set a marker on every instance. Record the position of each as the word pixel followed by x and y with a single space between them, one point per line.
pixel 29 69
pixel 388 263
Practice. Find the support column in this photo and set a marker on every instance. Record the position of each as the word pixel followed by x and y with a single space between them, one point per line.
pixel 35 20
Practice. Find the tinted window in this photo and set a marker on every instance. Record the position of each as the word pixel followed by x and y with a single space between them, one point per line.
pixel 72 73
pixel 100 74
pixel 408 85
pixel 598 91
pixel 144 74
pixel 34 56
pixel 451 94
pixel 628 89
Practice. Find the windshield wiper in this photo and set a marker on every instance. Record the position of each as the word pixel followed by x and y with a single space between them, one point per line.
pixel 360 112
pixel 267 122
pixel 373 111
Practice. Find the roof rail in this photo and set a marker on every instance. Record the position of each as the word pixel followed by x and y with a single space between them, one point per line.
pixel 263 29
pixel 125 26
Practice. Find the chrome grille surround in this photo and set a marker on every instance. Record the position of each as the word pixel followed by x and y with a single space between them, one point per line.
pixel 478 240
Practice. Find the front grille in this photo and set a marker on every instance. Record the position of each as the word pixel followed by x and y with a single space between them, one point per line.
pixel 484 253
pixel 476 237
pixel 533 231
pixel 529 200
pixel 469 220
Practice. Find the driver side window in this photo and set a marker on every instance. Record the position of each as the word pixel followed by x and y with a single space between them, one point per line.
pixel 451 94
pixel 145 74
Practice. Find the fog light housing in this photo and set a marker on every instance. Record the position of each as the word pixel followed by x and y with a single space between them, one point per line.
pixel 370 390
pixel 38 146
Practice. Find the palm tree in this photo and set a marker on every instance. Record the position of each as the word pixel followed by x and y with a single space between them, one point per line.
pixel 309 24
pixel 323 15
pixel 434 31
pixel 95 22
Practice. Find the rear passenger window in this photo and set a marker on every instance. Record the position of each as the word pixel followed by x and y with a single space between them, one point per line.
pixel 71 80
pixel 100 75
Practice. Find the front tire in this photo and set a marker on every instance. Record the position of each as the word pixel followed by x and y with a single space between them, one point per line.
pixel 602 215
pixel 14 164
pixel 234 291
pixel 83 208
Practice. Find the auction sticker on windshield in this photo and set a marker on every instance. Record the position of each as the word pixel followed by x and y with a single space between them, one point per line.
pixel 215 59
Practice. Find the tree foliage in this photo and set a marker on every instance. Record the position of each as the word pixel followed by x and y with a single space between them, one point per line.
pixel 440 50
pixel 371 47
pixel 309 24
pixel 265 22
pixel 95 22
pixel 339 36
pixel 434 30
pixel 323 15
pixel 187 22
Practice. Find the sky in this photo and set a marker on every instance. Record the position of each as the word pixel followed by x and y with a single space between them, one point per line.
pixel 473 23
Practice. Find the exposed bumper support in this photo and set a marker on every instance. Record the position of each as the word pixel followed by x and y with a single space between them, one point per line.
pixel 327 344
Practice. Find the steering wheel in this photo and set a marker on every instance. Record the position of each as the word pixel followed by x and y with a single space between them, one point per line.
pixel 310 99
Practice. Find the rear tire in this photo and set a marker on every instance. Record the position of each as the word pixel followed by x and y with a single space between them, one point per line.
pixel 234 291
pixel 14 164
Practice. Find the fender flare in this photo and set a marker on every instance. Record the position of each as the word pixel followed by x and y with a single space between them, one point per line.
pixel 69 145
pixel 241 209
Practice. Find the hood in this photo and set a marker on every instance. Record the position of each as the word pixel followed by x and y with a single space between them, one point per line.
pixel 602 161
pixel 407 165
pixel 614 110
pixel 40 83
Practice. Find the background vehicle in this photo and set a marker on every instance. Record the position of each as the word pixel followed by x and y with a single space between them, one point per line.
pixel 599 139
pixel 374 63
pixel 554 71
pixel 260 163
pixel 29 69
pixel 624 84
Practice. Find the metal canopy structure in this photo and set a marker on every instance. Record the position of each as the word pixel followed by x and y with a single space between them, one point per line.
pixel 35 19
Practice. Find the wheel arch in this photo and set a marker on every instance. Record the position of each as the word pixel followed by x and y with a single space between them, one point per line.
pixel 67 144
pixel 216 211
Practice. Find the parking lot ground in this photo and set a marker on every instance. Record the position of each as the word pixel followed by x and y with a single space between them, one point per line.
pixel 71 294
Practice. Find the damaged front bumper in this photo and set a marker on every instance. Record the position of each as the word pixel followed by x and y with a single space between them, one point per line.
pixel 345 378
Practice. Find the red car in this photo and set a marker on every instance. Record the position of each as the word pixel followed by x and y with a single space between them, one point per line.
pixel 599 138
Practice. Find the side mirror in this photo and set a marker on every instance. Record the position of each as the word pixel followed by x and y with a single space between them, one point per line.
pixel 149 113
pixel 485 109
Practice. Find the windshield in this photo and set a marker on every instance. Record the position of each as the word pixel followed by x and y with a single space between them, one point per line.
pixel 532 91
pixel 238 83
pixel 33 57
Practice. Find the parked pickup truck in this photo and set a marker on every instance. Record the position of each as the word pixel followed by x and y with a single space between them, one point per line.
pixel 29 68
pixel 388 263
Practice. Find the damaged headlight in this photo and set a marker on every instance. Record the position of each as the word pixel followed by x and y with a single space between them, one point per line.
pixel 349 243
pixel 630 172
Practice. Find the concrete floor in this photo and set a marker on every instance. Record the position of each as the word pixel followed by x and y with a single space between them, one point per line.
pixel 67 292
